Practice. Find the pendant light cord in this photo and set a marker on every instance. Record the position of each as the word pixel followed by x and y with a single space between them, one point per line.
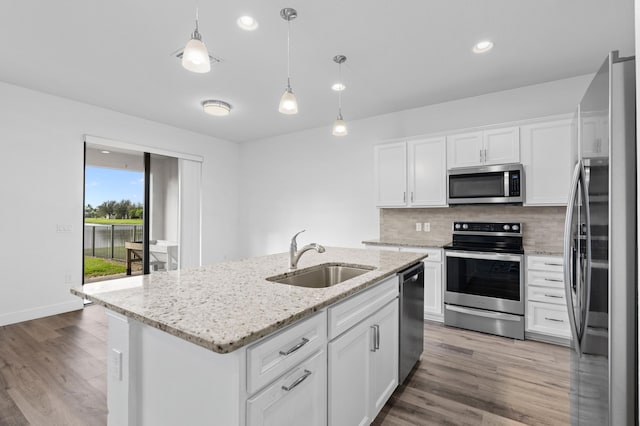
pixel 289 53
pixel 340 91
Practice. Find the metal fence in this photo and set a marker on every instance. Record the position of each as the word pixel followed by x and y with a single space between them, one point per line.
pixel 107 241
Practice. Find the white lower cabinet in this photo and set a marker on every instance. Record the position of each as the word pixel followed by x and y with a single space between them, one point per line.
pixel 433 301
pixel 546 310
pixel 298 398
pixel 363 368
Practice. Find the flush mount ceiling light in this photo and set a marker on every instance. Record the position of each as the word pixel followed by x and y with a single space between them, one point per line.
pixel 247 23
pixel 195 57
pixel 482 46
pixel 288 102
pixel 216 108
pixel 338 87
pixel 339 126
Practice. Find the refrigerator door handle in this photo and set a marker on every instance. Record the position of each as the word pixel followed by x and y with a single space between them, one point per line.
pixel 585 288
pixel 569 257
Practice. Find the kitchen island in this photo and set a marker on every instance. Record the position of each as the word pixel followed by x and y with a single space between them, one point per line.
pixel 211 345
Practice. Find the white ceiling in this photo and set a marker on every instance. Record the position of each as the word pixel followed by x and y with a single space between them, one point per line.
pixel 401 54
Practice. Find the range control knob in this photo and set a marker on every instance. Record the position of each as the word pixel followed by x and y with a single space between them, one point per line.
pixel 515 227
pixel 457 226
pixel 465 226
pixel 506 227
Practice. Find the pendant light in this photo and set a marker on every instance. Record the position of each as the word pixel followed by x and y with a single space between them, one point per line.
pixel 196 56
pixel 339 126
pixel 288 102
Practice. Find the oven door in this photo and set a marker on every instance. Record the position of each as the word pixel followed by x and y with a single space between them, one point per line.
pixel 482 280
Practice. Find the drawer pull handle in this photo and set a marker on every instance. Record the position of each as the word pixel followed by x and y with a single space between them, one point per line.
pixel 555 280
pixel 553 319
pixel 299 380
pixel 555 296
pixel 376 337
pixel 552 264
pixel 295 348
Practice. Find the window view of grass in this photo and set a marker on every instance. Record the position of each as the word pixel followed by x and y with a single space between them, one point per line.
pixel 110 224
pixel 96 267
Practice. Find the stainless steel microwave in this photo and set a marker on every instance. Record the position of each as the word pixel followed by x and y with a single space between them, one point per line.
pixel 502 184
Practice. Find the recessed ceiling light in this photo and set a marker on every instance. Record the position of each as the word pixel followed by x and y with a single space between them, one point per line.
pixel 104 151
pixel 338 87
pixel 216 108
pixel 247 23
pixel 483 46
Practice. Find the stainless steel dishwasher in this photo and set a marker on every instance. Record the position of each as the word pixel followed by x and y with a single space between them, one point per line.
pixel 411 319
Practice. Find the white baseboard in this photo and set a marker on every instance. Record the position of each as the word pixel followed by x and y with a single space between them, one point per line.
pixel 41 311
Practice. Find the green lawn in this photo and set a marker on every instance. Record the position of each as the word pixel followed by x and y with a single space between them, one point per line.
pixel 103 221
pixel 95 267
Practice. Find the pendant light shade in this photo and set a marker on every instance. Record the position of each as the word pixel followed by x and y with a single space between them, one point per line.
pixel 288 102
pixel 339 126
pixel 195 57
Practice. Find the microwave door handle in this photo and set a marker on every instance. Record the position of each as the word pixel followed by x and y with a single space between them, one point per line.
pixel 570 256
pixel 506 184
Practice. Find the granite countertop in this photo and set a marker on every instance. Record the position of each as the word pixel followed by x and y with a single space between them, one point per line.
pixel 528 249
pixel 408 243
pixel 228 305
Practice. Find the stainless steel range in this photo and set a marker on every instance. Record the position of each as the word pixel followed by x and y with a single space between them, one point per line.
pixel 484 276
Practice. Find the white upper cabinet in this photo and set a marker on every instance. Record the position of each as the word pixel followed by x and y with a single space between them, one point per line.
pixel 391 174
pixel 427 172
pixel 486 147
pixel 547 158
pixel 411 174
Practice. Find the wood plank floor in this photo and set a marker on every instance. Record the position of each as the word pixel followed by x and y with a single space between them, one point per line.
pixel 469 378
pixel 53 372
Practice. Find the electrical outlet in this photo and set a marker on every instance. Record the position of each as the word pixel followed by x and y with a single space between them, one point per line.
pixel 426 227
pixel 115 359
pixel 418 226
pixel 67 278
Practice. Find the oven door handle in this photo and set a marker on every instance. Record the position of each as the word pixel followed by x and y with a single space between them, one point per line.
pixel 483 255
pixel 485 314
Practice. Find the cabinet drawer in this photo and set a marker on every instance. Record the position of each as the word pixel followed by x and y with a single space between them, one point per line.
pixel 274 355
pixel 545 279
pixel 549 319
pixel 545 263
pixel 434 254
pixel 348 313
pixel 546 294
pixel 299 397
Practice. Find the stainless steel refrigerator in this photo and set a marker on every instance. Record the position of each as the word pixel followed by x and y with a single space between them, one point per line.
pixel 600 251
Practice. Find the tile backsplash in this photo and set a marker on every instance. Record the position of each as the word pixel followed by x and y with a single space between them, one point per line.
pixel 543 227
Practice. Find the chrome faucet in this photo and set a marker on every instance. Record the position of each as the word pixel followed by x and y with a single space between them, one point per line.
pixel 294 254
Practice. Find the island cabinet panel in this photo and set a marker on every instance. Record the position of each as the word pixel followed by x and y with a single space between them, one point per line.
pixel 297 398
pixel 345 315
pixel 363 368
pixel 272 356
pixel 157 379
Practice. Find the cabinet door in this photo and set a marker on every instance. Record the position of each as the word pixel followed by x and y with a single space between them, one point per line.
pixel 391 174
pixel 433 290
pixel 547 160
pixel 464 150
pixel 384 360
pixel 501 146
pixel 427 172
pixel 349 377
pixel 298 398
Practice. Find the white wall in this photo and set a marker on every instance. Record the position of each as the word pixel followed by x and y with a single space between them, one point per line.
pixel 41 141
pixel 316 181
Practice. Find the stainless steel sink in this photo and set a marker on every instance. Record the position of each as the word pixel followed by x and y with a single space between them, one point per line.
pixel 321 276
